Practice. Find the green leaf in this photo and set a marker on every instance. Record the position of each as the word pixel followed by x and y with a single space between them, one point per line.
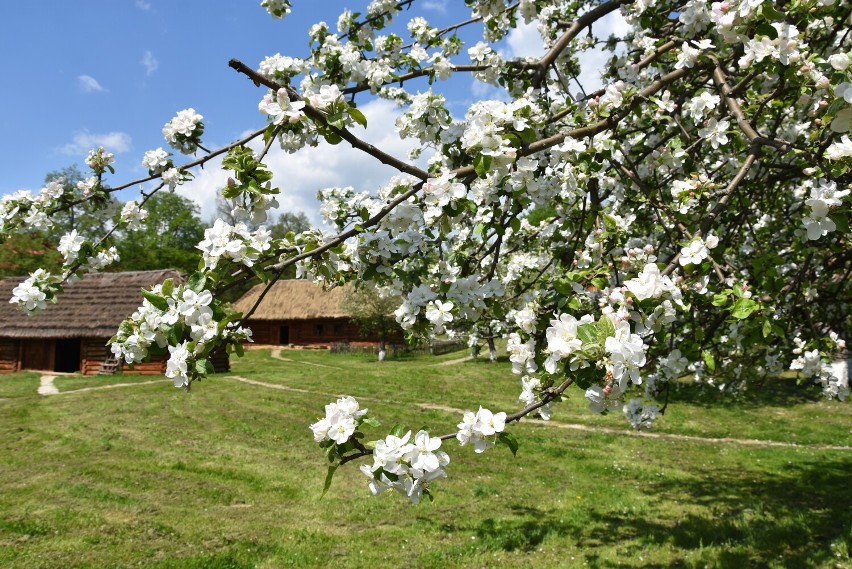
pixel 239 350
pixel 156 300
pixel 588 333
pixel 327 484
pixel 771 13
pixel 563 287
pixel 605 328
pixel 513 139
pixel 201 366
pixel 357 116
pixel 399 430
pixel 267 134
pixel 841 220
pixel 764 29
pixel 510 441
pixel 528 136
pixel 332 137
pixel 168 287
pixel 743 308
pixel 709 360
pixel 174 334
pixel 230 192
pixel 585 378
pixel 336 120
pixel 372 421
pixel 125 328
pixel 428 493
pixel 720 299
pixel 196 282
pixel 261 274
pixel 767 327
pixel 482 164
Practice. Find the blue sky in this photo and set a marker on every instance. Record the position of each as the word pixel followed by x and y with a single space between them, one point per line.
pixel 113 72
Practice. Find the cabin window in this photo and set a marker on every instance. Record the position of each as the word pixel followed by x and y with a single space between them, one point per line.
pixel 319 330
pixel 338 330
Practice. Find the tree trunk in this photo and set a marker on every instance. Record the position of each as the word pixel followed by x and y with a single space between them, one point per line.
pixel 382 351
pixel 492 349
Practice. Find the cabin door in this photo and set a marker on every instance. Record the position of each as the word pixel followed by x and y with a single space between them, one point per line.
pixel 67 355
pixel 37 354
pixel 284 335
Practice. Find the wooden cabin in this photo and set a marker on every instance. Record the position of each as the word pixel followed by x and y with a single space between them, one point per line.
pixel 302 313
pixel 71 335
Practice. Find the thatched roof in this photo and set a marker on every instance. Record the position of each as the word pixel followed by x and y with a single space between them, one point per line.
pixel 293 300
pixel 93 307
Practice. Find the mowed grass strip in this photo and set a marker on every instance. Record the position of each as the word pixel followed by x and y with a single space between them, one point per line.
pixel 228 476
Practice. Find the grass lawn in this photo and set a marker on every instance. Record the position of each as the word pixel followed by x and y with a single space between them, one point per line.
pixel 228 476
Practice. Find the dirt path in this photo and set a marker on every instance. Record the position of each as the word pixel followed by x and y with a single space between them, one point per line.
pixel 572 426
pixel 47 387
pixel 276 353
pixel 451 362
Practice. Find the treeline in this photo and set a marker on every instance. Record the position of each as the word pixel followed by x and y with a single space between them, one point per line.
pixel 167 239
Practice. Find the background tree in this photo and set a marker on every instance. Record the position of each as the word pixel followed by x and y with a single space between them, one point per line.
pixel 287 221
pixel 23 253
pixel 372 310
pixel 91 218
pixel 167 239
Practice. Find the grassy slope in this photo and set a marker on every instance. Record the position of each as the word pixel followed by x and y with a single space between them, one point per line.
pixel 228 477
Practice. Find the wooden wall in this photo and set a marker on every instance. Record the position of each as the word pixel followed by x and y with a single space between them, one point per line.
pixel 9 355
pixel 94 351
pixel 40 355
pixel 319 332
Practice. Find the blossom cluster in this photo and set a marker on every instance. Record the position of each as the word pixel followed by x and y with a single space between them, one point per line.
pixel 183 132
pixel 99 160
pixel 22 208
pixel 233 242
pixel 480 428
pixel 181 319
pixel 33 294
pixel 824 196
pixel 133 215
pixel 340 421
pixel 407 467
pixel 156 161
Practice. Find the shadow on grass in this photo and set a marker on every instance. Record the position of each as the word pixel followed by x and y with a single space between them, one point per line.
pixel 774 391
pixel 788 518
pixel 794 514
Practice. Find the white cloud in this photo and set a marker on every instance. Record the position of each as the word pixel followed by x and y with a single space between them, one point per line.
pixel 593 61
pixel 89 84
pixel 143 5
pixel 436 6
pixel 115 142
pixel 150 62
pixel 524 41
pixel 300 175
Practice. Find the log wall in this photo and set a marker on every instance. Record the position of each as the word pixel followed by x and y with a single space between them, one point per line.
pixel 94 352
pixel 318 332
pixel 9 350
